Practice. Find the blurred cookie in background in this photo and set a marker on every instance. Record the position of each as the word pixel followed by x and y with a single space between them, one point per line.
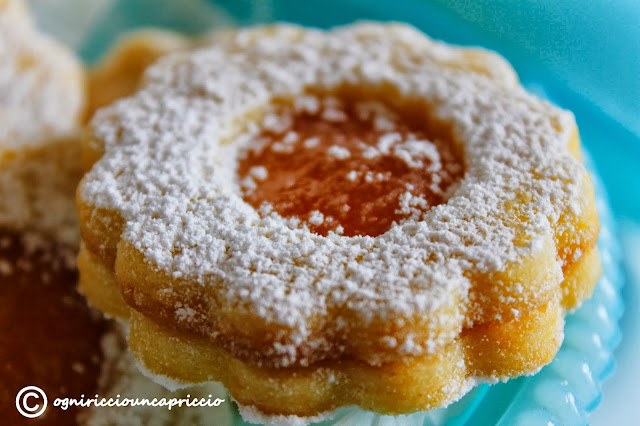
pixel 42 103
pixel 118 73
pixel 51 338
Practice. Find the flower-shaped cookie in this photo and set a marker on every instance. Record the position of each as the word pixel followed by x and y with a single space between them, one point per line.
pixel 317 219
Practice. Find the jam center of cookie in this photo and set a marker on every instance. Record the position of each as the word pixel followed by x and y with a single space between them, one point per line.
pixel 349 167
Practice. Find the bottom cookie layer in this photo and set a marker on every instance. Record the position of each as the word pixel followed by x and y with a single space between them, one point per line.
pixel 513 349
pixel 489 352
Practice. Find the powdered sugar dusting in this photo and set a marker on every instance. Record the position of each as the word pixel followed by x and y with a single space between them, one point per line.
pixel 35 251
pixel 41 93
pixel 339 152
pixel 169 176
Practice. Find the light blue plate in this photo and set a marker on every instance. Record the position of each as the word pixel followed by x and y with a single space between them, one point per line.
pixel 568 389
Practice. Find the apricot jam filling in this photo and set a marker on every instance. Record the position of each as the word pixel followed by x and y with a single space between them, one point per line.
pixel 353 167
